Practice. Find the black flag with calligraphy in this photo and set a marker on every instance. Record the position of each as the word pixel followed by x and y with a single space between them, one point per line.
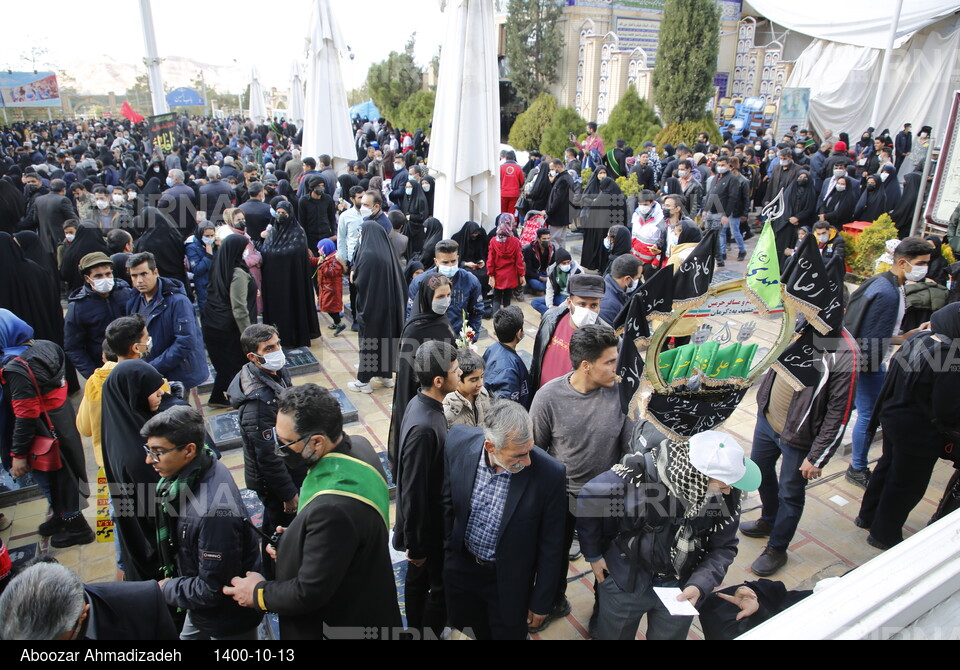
pixel 693 276
pixel 800 363
pixel 807 285
pixel 683 415
pixel 655 295
pixel 630 362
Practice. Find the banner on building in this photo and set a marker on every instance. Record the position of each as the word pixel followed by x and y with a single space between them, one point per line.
pixel 185 97
pixel 163 131
pixel 794 110
pixel 29 89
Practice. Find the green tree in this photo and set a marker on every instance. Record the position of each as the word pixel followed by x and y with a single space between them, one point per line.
pixel 416 111
pixel 528 129
pixel 632 120
pixel 556 138
pixel 392 81
pixel 534 45
pixel 686 59
pixel 358 95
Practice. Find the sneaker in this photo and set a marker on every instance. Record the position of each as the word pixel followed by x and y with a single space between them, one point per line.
pixel 5 522
pixel 769 562
pixel 51 527
pixel 857 477
pixel 75 531
pixel 339 328
pixel 359 387
pixel 388 383
pixel 741 256
pixel 355 327
pixel 334 326
pixel 876 544
pixel 575 552
pixel 758 528
pixel 560 611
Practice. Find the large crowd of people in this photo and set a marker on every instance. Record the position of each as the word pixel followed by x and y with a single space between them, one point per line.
pixel 231 247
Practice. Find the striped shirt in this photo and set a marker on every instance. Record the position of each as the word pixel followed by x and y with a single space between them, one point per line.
pixel 486 510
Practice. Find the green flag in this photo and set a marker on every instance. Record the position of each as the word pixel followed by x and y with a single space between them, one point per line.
pixel 763 273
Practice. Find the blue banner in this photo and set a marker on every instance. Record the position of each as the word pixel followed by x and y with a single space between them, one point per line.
pixel 185 97
pixel 29 89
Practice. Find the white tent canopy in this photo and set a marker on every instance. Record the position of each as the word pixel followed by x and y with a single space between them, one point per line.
pixel 326 124
pixel 842 79
pixel 465 141
pixel 859 22
pixel 297 103
pixel 258 110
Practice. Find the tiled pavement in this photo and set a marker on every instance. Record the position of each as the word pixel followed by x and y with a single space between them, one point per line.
pixel 827 543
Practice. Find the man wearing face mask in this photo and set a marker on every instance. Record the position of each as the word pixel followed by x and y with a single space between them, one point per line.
pixel 253 393
pixel 784 175
pixel 551 348
pixel 371 209
pixel 92 308
pixel 467 293
pixel 256 212
pixel 179 202
pixel 873 317
pixel 333 570
pixel 558 206
pixel 399 180
pixel 829 241
pixel 623 280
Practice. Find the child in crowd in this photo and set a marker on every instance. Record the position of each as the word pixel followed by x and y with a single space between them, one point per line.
pixel 69 233
pixel 468 404
pixel 506 374
pixel 329 283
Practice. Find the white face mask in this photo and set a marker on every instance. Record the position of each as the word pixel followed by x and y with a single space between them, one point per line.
pixel 839 173
pixel 916 273
pixel 632 286
pixel 841 187
pixel 103 285
pixel 722 169
pixel 426 188
pixel 118 199
pixel 408 191
pixel 553 173
pixel 366 212
pixel 566 268
pixel 645 209
pixel 448 271
pixel 682 173
pixel 823 237
pixel 441 306
pixel 69 237
pixel 209 240
pixel 103 204
pixel 274 361
pixel 584 317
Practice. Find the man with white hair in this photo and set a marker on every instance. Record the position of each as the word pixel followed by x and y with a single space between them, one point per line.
pixel 215 196
pixel 179 202
pixel 48 601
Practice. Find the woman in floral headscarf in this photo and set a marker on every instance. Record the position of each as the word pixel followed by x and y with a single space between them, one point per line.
pixel 505 268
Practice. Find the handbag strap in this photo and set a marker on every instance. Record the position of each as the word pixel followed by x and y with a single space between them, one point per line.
pixel 36 386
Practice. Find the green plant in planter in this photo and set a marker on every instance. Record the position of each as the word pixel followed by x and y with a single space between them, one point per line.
pixel 585 176
pixel 629 186
pixel 869 246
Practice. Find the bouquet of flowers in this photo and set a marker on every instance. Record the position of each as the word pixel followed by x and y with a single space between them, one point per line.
pixel 467 335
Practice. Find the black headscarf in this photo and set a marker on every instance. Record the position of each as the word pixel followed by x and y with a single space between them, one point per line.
pixel 12 206
pixel 26 290
pixel 473 243
pixel 89 240
pixel 287 290
pixel 891 187
pixel 412 267
pixel 540 191
pixel 124 410
pixel 218 311
pixel 902 214
pixel 434 233
pixel 872 204
pixel 381 292
pixel 415 205
pixel 162 239
pixel 937 270
pixel 946 321
pixel 422 326
pixel 29 241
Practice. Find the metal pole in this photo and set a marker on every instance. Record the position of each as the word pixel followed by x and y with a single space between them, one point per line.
pixel 895 24
pixel 203 86
pixel 918 209
pixel 152 61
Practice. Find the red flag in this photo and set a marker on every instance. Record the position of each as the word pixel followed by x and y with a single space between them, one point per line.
pixel 128 113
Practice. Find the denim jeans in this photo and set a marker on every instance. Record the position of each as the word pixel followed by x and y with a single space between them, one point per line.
pixel 537 284
pixel 782 497
pixel 540 304
pixel 620 613
pixel 191 632
pixel 734 226
pixel 868 390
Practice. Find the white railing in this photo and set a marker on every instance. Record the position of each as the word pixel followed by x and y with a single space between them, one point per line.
pixel 911 591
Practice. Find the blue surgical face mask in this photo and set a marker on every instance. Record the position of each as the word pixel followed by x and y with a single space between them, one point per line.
pixel 607 244
pixel 170 181
pixel 448 271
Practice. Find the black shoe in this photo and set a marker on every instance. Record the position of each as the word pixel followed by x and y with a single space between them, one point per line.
pixel 355 327
pixel 339 328
pixel 51 527
pixel 769 562
pixel 758 528
pixel 76 531
pixel 742 255
pixel 859 478
pixel 575 552
pixel 860 523
pixel 876 544
pixel 218 403
pixel 560 611
pixel 721 264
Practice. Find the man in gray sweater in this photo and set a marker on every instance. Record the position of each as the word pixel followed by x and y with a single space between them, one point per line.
pixel 559 412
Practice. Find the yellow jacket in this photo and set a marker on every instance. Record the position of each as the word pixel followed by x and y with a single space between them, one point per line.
pixel 88 416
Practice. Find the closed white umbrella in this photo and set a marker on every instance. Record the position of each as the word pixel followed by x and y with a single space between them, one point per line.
pixel 297 103
pixel 465 140
pixel 258 110
pixel 326 124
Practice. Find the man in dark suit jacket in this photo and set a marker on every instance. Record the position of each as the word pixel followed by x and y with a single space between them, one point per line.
pixel 558 206
pixel 48 601
pixel 903 144
pixel 504 505
pixel 334 576
pixel 256 212
pixel 51 211
pixel 179 202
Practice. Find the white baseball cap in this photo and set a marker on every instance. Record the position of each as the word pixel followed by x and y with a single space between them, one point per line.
pixel 718 456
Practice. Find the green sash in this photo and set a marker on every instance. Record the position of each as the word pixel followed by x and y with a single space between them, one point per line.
pixel 342 475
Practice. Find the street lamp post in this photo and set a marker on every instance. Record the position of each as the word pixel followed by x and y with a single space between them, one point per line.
pixel 152 61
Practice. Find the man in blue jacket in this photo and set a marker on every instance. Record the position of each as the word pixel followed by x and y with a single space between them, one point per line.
pixel 622 281
pixel 92 308
pixel 202 528
pixel 176 349
pixel 467 294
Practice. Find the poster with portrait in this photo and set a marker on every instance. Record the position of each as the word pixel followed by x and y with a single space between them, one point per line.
pixel 29 89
